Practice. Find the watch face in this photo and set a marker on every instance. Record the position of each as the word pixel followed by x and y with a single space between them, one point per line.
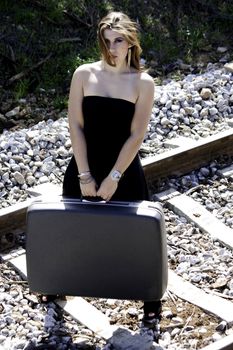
pixel 116 175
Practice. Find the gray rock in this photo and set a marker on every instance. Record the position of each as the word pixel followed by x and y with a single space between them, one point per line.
pixel 13 112
pixel 205 171
pixel 15 167
pixel 124 339
pixel 164 121
pixel 189 110
pixel 222 326
pixel 204 112
pixel 30 180
pixel 205 93
pixel 19 178
pixel 222 49
pixel 49 321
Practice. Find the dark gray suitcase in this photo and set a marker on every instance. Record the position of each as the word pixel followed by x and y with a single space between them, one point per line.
pixel 108 250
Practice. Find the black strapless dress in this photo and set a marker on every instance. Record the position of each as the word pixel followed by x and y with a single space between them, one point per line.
pixel 107 123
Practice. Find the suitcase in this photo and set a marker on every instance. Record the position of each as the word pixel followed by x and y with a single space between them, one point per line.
pixel 108 250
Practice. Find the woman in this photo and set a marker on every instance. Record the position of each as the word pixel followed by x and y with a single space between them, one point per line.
pixel 110 105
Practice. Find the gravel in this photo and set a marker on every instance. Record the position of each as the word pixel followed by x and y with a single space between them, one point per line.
pixel 198 106
pixel 32 156
pixel 198 258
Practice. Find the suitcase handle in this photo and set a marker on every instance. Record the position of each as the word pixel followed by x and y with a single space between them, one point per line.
pixel 95 201
pixel 92 200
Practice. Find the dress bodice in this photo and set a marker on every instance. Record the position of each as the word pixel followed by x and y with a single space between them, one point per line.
pixel 107 124
pixel 107 119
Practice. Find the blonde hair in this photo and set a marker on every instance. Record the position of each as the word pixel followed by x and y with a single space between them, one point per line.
pixel 121 23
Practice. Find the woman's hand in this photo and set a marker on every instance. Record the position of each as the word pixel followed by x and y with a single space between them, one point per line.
pixel 89 189
pixel 107 188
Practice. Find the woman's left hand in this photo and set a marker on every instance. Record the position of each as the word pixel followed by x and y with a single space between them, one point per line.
pixel 107 188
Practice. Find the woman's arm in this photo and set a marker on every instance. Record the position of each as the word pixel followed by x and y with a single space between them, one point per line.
pixel 138 129
pixel 76 123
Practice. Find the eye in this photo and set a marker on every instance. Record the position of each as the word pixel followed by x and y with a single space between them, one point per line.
pixel 119 40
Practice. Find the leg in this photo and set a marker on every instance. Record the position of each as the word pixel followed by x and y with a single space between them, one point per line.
pixel 44 299
pixel 152 313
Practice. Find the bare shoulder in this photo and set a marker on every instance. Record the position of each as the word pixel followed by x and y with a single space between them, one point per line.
pixel 82 73
pixel 86 68
pixel 146 84
pixel 146 79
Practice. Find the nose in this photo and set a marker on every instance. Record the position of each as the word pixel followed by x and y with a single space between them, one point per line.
pixel 111 47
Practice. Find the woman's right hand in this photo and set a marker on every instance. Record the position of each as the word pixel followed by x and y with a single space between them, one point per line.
pixel 89 189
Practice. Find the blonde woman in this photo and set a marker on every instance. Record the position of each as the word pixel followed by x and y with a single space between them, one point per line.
pixel 110 105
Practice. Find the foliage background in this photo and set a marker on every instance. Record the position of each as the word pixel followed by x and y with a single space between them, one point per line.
pixel 61 34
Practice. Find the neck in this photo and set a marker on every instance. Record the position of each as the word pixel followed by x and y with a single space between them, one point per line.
pixel 118 69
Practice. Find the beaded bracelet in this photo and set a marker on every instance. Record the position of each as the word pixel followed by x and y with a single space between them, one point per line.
pixel 83 174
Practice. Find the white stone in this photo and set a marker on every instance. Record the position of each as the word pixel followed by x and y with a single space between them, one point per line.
pixel 213 111
pixel 132 311
pixel 175 332
pixel 43 179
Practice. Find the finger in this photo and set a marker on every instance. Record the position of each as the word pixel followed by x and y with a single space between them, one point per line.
pixel 88 190
pixel 89 194
pixel 107 198
pixel 102 195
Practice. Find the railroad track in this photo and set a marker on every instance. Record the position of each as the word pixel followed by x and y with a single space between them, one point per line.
pixel 184 156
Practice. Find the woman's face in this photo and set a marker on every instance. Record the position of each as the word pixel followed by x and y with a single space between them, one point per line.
pixel 117 45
